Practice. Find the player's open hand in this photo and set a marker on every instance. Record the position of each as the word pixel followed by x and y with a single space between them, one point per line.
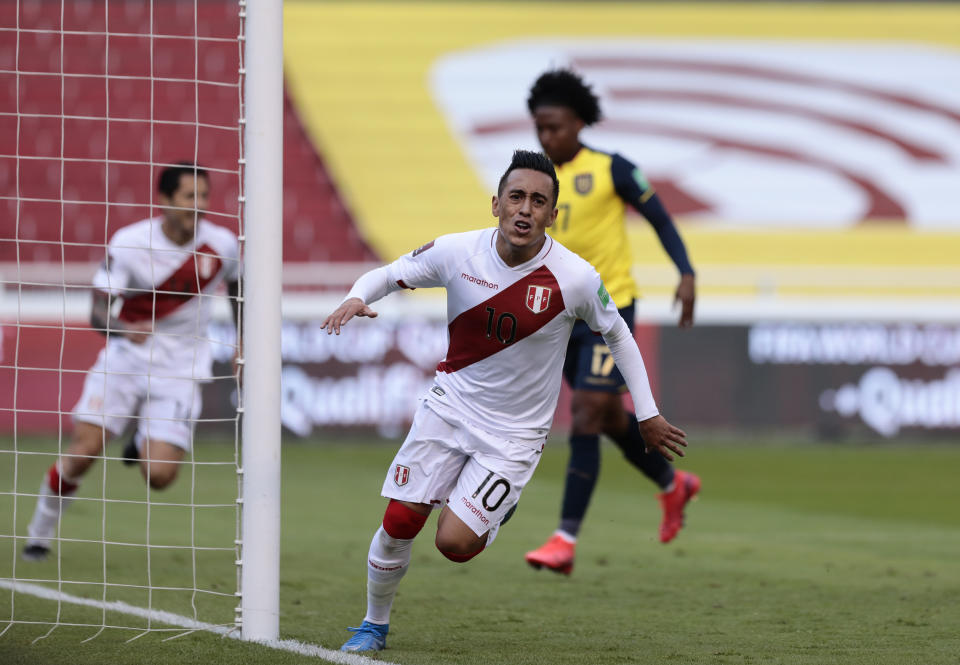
pixel 663 437
pixel 686 295
pixel 347 310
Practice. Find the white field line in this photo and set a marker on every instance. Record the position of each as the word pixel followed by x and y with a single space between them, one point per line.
pixel 185 622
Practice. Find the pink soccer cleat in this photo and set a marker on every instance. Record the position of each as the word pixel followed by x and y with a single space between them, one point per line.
pixel 556 554
pixel 685 487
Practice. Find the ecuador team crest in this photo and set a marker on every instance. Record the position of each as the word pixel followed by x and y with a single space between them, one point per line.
pixel 538 298
pixel 401 474
pixel 583 183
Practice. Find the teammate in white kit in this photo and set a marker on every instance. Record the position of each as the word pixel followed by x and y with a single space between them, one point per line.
pixel 513 295
pixel 164 270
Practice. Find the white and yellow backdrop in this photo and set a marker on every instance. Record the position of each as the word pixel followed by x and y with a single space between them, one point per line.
pixel 807 152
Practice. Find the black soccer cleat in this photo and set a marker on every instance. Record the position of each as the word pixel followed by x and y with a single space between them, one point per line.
pixel 35 552
pixel 131 455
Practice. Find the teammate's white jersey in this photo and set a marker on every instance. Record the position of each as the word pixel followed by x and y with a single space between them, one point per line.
pixel 508 328
pixel 170 285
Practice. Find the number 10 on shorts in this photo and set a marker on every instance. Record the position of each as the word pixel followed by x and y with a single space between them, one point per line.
pixel 494 491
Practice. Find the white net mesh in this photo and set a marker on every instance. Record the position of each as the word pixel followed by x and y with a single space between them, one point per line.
pixel 97 98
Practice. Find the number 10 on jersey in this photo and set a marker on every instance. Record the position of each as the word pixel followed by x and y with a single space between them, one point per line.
pixel 504 326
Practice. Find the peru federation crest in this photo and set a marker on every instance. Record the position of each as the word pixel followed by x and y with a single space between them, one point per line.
pixel 401 474
pixel 207 265
pixel 538 298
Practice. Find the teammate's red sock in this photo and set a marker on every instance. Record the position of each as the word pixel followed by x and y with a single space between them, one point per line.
pixel 57 483
pixel 401 522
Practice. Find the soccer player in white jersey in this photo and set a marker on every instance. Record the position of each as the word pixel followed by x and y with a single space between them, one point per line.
pixel 163 270
pixel 513 295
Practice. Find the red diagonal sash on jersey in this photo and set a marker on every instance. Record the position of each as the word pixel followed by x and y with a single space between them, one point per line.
pixel 186 282
pixel 528 304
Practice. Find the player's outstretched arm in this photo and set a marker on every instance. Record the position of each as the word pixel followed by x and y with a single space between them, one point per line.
pixel 686 295
pixel 663 437
pixel 348 309
pixel 632 186
pixel 369 288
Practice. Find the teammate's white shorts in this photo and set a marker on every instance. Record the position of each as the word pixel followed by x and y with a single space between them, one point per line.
pixel 165 408
pixel 478 475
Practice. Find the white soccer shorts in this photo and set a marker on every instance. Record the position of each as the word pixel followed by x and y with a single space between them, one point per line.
pixel 478 475
pixel 166 408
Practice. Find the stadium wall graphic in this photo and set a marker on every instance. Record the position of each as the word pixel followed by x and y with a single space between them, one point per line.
pixel 831 379
pixel 779 135
pixel 760 133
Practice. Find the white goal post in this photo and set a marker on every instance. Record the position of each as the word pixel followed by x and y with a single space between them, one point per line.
pixel 104 97
pixel 262 212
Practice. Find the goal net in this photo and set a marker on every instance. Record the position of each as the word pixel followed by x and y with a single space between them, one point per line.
pixel 97 100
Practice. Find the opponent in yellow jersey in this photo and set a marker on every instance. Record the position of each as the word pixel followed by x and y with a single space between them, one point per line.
pixel 595 188
pixel 591 218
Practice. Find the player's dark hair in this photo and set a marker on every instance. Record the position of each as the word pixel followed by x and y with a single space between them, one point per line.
pixel 169 179
pixel 535 161
pixel 561 87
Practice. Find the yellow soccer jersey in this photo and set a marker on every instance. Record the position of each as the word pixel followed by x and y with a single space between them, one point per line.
pixel 593 188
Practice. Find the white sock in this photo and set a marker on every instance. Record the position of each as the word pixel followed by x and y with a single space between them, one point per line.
pixel 46 515
pixel 387 563
pixel 566 536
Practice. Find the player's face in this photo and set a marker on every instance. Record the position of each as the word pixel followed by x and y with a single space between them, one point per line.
pixel 558 129
pixel 188 203
pixel 526 210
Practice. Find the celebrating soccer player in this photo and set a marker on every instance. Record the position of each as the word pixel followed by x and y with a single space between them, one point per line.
pixel 595 188
pixel 155 358
pixel 513 297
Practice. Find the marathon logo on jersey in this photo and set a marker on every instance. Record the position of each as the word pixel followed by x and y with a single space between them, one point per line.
pixel 401 475
pixel 479 281
pixel 538 298
pixel 583 183
pixel 421 250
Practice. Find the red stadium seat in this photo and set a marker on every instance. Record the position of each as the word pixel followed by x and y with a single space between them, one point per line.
pixel 69 207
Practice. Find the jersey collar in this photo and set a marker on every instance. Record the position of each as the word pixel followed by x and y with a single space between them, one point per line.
pixel 526 266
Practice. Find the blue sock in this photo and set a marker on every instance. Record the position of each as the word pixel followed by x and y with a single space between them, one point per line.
pixel 582 471
pixel 653 465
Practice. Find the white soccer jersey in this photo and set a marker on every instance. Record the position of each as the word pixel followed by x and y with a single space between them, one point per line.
pixel 508 328
pixel 170 285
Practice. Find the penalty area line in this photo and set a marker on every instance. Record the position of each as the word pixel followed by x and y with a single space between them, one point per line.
pixel 172 619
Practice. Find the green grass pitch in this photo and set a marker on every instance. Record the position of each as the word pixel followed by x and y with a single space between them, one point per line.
pixel 795 553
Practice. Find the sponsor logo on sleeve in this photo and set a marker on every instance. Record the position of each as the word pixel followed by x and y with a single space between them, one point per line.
pixel 583 183
pixel 401 475
pixel 538 298
pixel 603 295
pixel 641 179
pixel 421 250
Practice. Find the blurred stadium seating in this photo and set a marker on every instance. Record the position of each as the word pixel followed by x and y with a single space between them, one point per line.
pixel 82 151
